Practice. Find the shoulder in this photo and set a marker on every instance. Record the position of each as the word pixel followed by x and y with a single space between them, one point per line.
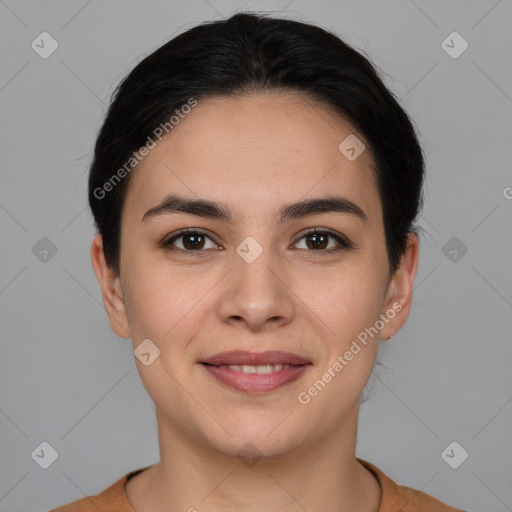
pixel 112 499
pixel 403 498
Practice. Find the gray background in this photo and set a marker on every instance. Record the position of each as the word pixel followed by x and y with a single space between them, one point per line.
pixel 68 380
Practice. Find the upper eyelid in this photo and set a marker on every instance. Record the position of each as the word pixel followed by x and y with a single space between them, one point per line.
pixel 187 231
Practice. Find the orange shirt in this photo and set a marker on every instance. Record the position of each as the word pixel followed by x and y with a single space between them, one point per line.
pixel 394 497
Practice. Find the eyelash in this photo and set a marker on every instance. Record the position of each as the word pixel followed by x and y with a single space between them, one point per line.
pixel 344 243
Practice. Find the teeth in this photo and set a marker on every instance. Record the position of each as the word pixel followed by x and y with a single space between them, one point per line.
pixel 248 368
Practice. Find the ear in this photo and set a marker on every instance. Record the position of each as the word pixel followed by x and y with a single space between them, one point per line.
pixel 398 301
pixel 111 290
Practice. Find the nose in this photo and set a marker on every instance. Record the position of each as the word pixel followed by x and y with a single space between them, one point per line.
pixel 256 293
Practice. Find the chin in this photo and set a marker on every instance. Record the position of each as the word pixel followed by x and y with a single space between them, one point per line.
pixel 255 440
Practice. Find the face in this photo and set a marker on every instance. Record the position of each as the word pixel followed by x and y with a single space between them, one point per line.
pixel 252 275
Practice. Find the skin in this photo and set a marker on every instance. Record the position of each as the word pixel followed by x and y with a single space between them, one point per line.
pixel 255 154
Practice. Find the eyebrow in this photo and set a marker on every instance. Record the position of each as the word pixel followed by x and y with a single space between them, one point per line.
pixel 211 209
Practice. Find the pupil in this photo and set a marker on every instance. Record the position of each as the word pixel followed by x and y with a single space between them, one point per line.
pixel 316 238
pixel 196 241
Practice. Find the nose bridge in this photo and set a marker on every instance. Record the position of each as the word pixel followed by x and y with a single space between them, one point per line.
pixel 257 292
pixel 255 267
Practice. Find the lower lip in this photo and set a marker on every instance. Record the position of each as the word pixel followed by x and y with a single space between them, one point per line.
pixel 256 383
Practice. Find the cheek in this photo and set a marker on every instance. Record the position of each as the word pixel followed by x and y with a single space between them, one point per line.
pixel 348 311
pixel 345 299
pixel 155 306
pixel 163 300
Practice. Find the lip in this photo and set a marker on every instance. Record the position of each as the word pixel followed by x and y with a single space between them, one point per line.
pixel 255 383
pixel 255 358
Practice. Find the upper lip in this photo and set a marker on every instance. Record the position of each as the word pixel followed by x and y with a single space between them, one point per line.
pixel 241 357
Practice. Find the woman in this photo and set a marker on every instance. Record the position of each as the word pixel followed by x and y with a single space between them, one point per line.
pixel 255 187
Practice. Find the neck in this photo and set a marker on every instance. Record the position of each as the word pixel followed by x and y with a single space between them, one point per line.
pixel 321 476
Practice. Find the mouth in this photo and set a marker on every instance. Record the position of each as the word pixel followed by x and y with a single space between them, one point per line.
pixel 244 358
pixel 261 369
pixel 256 373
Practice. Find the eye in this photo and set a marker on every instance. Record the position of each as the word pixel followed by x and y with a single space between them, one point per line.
pixel 193 241
pixel 317 240
pixel 189 240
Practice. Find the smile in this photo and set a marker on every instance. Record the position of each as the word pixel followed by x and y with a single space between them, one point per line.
pixel 260 369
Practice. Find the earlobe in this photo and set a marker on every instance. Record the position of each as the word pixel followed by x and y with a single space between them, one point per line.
pixel 399 297
pixel 112 293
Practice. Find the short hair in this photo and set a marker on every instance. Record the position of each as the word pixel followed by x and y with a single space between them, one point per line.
pixel 245 54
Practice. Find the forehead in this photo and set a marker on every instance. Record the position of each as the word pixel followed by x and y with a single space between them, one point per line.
pixel 251 151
